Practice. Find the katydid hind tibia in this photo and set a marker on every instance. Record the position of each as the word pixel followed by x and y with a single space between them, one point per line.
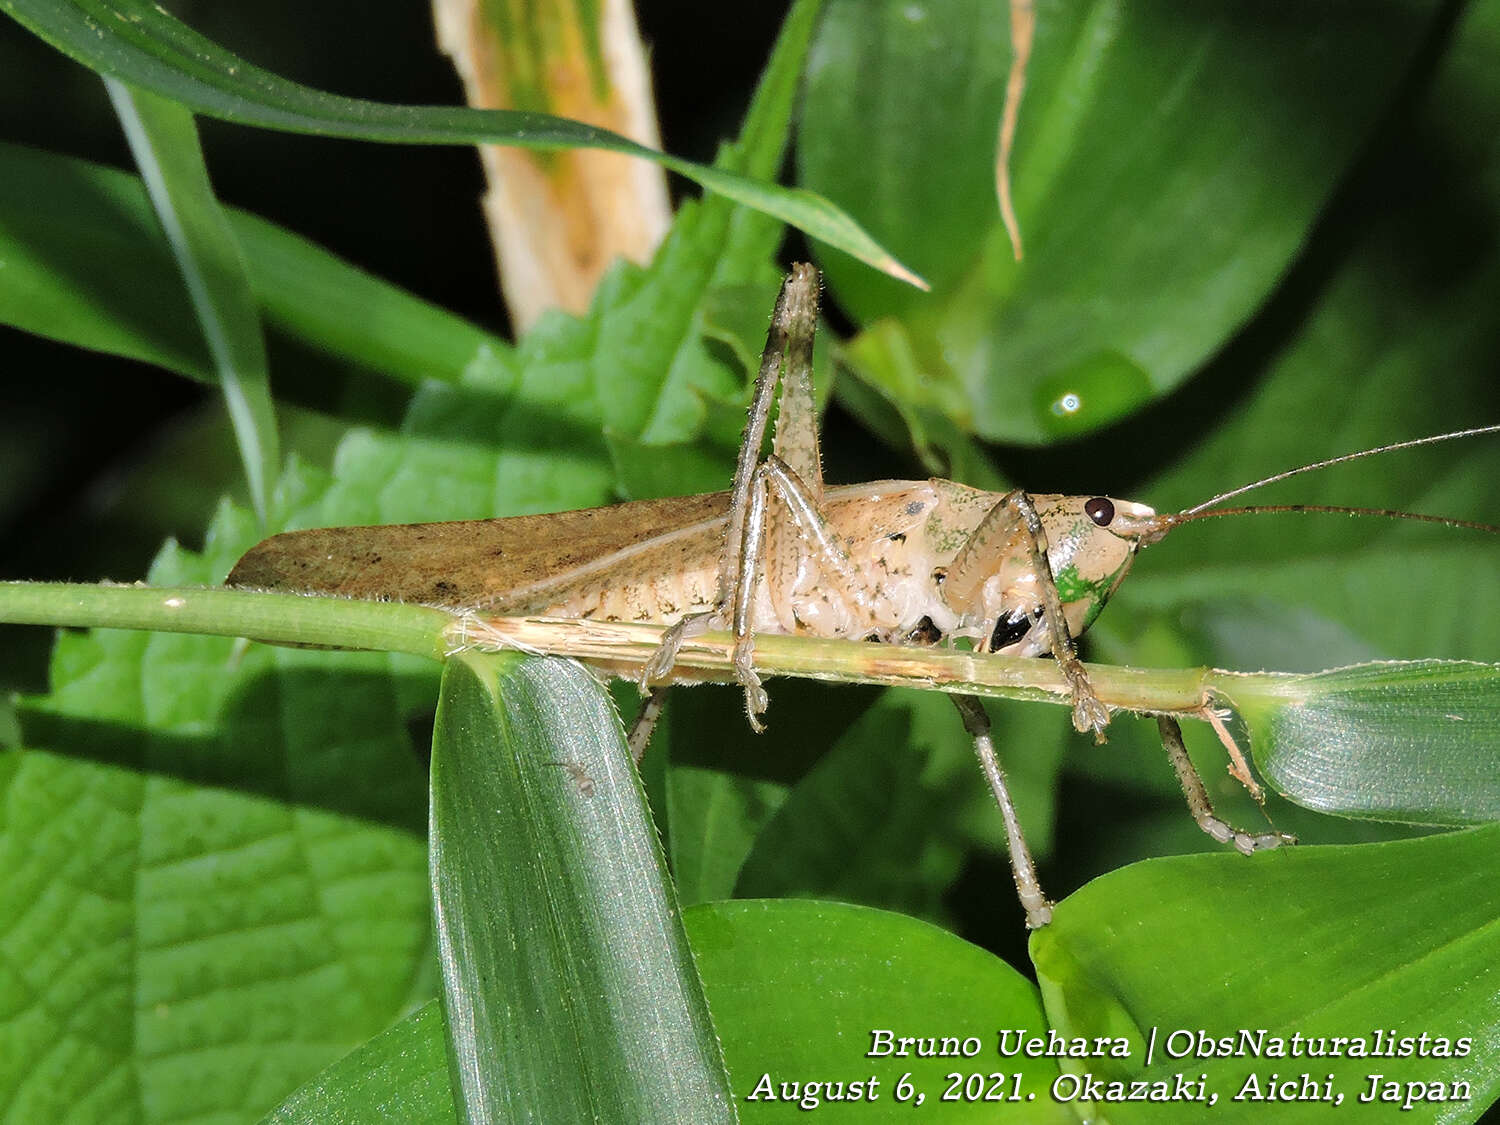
pixel 898 561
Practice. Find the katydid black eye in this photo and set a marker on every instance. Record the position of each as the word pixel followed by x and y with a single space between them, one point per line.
pixel 1101 510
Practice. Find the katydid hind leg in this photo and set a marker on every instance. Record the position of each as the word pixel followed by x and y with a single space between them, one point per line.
pixel 793 506
pixel 1038 907
pixel 796 437
pixel 798 291
pixel 793 470
pixel 782 498
pixel 746 579
pixel 788 343
pixel 1198 802
pixel 645 722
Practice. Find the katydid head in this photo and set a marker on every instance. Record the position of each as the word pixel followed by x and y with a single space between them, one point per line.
pixel 1091 542
pixel 993 585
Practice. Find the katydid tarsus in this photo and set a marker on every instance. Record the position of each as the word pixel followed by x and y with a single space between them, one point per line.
pixel 905 562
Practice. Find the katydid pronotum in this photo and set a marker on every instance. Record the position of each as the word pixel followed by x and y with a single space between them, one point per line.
pixel 906 562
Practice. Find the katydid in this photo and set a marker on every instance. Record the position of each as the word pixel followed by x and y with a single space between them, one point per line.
pixel 904 562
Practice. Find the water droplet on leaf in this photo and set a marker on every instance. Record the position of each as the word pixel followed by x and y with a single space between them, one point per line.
pixel 1100 389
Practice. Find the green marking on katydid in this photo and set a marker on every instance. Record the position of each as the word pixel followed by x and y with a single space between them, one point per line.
pixel 1073 587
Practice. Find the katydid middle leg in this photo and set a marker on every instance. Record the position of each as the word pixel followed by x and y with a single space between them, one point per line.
pixel 644 725
pixel 1028 889
pixel 1197 797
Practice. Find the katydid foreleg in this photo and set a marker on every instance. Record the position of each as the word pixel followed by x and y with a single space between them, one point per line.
pixel 1011 524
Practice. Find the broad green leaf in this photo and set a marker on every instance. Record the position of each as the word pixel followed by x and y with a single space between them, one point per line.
pixel 715 818
pixel 141 44
pixel 400 1077
pixel 164 141
pixel 1168 166
pixel 85 263
pixel 799 989
pixel 569 988
pixel 887 812
pixel 213 875
pixel 1281 943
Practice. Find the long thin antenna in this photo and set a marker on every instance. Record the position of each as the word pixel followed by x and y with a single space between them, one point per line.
pixel 1413 443
pixel 1385 513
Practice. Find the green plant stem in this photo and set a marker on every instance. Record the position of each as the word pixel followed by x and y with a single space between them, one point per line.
pixel 621 647
pixel 625 647
pixel 288 619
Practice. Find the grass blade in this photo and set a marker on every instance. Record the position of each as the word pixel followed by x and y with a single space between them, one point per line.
pixel 1411 741
pixel 569 987
pixel 85 264
pixel 139 43
pixel 164 141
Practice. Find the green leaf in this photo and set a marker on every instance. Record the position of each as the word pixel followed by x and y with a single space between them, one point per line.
pixel 569 989
pixel 164 141
pixel 715 817
pixel 400 1077
pixel 799 989
pixel 309 294
pixel 884 815
pixel 1153 148
pixel 85 263
pixel 141 44
pixel 212 869
pixel 1281 943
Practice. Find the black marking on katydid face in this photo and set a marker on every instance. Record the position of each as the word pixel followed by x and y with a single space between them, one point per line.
pixel 1009 629
pixel 924 633
pixel 1101 509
